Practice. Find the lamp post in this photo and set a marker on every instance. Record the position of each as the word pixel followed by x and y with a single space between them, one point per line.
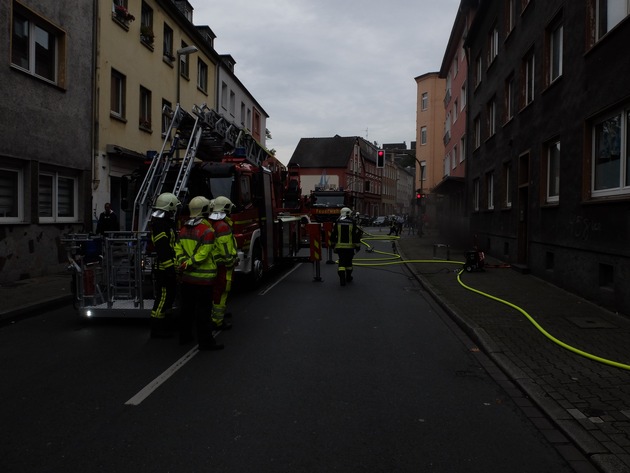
pixel 183 52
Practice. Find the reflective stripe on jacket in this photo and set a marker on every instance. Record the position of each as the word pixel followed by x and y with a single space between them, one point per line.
pixel 163 238
pixel 224 243
pixel 195 248
pixel 345 234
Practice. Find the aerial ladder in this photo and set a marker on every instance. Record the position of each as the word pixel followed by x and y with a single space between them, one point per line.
pixel 115 280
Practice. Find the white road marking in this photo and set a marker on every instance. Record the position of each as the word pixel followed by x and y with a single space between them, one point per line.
pixel 262 293
pixel 157 382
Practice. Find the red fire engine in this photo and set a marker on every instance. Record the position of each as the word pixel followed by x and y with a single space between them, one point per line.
pixel 217 158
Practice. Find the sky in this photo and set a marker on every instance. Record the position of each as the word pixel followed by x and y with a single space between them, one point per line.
pixel 321 68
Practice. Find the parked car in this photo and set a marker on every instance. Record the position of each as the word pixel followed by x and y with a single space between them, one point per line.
pixel 380 221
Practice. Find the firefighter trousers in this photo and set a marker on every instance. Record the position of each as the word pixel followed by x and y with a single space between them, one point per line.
pixel 165 292
pixel 222 287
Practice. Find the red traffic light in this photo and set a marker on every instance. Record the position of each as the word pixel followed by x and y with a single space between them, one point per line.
pixel 380 158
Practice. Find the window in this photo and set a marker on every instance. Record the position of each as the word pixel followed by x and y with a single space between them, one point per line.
pixel 118 94
pixel 511 12
pixel 224 95
pixel 145 109
pixel 528 79
pixel 478 71
pixel 11 195
pixel 166 119
pixel 509 99
pixel 476 195
pixel 425 101
pixel 243 108
pixel 608 13
pixel 454 163
pixel 507 188
pixel 477 131
pixel 202 76
pixel 490 190
pixel 462 96
pixel 493 44
pixel 553 172
pixel 37 47
pixel 167 44
pixel 611 155
pixel 455 108
pixel 57 198
pixel 232 103
pixel 423 135
pixel 554 53
pixel 462 149
pixel 121 13
pixel 183 63
pixel 146 25
pixel 491 111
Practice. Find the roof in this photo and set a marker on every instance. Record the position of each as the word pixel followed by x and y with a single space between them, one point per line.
pixel 334 152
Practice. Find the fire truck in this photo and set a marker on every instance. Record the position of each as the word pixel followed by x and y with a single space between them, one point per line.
pixel 202 154
pixel 326 205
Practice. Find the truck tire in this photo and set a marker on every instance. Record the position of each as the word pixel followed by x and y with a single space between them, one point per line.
pixel 256 273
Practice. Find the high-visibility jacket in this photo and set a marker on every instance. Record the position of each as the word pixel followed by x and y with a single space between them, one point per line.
pixel 346 234
pixel 195 248
pixel 163 238
pixel 224 243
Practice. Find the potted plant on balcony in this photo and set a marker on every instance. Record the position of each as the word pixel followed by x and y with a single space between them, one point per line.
pixel 123 14
pixel 146 34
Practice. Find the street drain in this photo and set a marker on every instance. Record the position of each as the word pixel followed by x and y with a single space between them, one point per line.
pixel 590 322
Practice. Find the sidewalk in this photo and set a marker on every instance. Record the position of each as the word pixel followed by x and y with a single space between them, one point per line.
pixel 582 406
pixel 584 401
pixel 29 296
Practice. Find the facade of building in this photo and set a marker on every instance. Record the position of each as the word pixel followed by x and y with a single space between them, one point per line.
pixel 46 136
pixel 236 103
pixel 341 163
pixel 429 137
pixel 150 55
pixel 86 86
pixel 451 215
pixel 548 174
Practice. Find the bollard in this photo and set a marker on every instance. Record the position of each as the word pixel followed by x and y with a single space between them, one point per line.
pixel 328 227
pixel 315 237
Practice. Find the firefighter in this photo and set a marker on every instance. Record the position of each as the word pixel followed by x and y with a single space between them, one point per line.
pixel 225 257
pixel 346 240
pixel 163 236
pixel 194 251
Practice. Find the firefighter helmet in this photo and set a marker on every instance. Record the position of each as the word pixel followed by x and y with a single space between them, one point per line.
pixel 199 206
pixel 346 212
pixel 222 204
pixel 167 201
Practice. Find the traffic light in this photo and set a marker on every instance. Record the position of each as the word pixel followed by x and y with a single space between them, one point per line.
pixel 420 198
pixel 380 158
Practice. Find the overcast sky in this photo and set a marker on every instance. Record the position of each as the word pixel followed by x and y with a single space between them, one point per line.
pixel 326 67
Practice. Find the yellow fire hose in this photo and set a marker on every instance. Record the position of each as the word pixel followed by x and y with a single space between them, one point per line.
pixel 394 258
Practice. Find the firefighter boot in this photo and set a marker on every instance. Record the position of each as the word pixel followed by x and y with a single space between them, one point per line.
pixel 205 337
pixel 342 277
pixel 349 277
pixel 159 328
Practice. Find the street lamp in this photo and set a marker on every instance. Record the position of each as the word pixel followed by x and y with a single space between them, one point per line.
pixel 183 52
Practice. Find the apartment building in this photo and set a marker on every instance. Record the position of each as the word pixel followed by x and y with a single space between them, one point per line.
pixel 46 136
pixel 548 176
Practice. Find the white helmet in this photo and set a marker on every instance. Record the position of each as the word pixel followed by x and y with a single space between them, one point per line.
pixel 199 206
pixel 346 212
pixel 222 204
pixel 167 201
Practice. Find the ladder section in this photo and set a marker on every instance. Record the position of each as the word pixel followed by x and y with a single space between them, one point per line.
pixel 218 128
pixel 181 123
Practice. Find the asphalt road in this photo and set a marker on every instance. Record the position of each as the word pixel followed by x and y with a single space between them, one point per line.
pixel 371 377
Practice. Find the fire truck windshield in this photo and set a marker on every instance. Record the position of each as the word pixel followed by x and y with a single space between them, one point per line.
pixel 328 200
pixel 221 186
